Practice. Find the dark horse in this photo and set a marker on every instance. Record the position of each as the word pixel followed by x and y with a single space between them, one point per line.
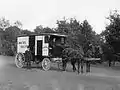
pixel 108 54
pixel 73 56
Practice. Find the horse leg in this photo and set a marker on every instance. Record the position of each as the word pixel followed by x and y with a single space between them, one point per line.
pixel 109 62
pixel 63 63
pixel 78 65
pixel 113 62
pixel 73 64
pixel 66 64
pixel 82 66
pixel 87 66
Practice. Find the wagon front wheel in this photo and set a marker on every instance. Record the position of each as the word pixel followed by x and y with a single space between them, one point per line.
pixel 19 60
pixel 46 63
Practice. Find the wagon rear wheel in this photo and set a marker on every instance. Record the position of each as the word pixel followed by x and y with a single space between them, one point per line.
pixel 46 63
pixel 19 60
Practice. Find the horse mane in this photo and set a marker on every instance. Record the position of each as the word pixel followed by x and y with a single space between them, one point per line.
pixel 72 53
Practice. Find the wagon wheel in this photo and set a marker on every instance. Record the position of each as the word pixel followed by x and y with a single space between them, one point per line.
pixel 46 64
pixel 19 60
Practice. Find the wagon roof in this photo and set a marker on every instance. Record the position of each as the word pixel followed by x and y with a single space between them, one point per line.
pixel 53 34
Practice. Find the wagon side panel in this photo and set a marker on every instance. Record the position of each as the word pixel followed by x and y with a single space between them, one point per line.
pixel 45 50
pixel 22 43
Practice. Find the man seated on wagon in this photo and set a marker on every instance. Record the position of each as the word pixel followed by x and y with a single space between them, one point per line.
pixel 56 47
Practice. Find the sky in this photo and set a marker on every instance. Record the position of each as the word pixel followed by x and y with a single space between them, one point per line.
pixel 46 12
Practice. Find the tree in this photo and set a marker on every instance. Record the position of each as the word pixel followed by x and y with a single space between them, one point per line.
pixel 111 36
pixel 112 31
pixel 26 32
pixel 63 27
pixel 48 30
pixel 78 33
pixel 18 24
pixel 71 28
pixel 38 29
pixel 1 40
pixel 11 33
pixel 41 29
pixel 87 31
pixel 10 39
pixel 4 23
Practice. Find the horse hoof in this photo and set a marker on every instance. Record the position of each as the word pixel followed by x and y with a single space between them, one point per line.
pixel 73 70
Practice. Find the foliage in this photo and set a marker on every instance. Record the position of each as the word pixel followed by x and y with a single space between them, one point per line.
pixel 86 30
pixel 8 37
pixel 70 28
pixel 26 32
pixel 4 23
pixel 48 30
pixel 112 31
pixel 71 53
pixel 11 33
pixel 79 34
pixel 111 37
pixel 18 24
pixel 40 29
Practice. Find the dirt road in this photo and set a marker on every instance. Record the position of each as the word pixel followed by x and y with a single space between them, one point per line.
pixel 37 79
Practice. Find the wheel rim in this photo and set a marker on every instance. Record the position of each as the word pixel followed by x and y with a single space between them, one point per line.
pixel 19 60
pixel 46 64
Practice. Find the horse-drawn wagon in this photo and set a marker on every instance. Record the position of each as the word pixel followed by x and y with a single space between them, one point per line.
pixel 45 47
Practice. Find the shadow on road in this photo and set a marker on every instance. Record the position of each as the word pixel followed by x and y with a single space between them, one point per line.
pixel 9 61
pixel 105 66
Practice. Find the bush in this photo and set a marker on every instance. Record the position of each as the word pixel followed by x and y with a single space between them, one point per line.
pixel 9 53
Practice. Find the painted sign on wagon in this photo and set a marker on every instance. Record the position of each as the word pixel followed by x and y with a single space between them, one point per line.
pixel 23 42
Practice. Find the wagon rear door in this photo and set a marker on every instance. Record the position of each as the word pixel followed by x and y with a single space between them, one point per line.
pixel 39 47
